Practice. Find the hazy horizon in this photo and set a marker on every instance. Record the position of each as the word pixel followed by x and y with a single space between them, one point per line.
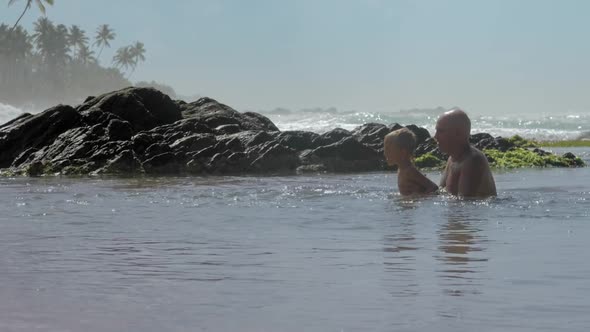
pixel 485 56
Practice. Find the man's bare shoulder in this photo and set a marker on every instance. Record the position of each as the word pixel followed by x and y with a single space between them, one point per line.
pixel 476 158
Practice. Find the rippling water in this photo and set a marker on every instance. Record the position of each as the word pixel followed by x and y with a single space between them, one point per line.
pixel 300 253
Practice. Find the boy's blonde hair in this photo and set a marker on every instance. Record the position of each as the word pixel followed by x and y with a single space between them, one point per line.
pixel 404 138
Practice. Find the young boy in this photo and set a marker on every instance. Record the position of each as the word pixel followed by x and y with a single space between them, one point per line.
pixel 399 148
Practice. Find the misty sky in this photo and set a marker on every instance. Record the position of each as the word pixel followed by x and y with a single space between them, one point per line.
pixel 512 56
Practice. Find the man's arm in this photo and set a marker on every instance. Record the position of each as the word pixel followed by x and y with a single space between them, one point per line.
pixel 423 182
pixel 443 179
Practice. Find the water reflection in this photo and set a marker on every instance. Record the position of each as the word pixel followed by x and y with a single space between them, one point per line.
pixel 400 248
pixel 460 253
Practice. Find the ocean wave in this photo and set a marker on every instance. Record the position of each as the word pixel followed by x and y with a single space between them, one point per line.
pixel 541 127
pixel 530 126
pixel 8 112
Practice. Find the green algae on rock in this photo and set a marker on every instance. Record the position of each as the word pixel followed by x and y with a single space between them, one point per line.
pixel 564 144
pixel 521 142
pixel 520 157
pixel 428 160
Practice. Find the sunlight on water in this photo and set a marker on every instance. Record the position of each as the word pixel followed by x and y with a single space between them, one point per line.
pixel 558 127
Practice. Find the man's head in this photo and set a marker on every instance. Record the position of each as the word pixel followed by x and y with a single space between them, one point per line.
pixel 452 131
pixel 399 145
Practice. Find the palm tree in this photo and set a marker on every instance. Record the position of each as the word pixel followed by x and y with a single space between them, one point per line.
pixel 28 5
pixel 137 52
pixel 59 45
pixel 16 43
pixel 124 58
pixel 85 55
pixel 77 38
pixel 43 30
pixel 104 35
pixel 15 66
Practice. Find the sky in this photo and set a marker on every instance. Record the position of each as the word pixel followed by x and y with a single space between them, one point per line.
pixel 486 56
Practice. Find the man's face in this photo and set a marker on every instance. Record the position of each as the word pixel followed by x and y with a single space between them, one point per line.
pixel 444 134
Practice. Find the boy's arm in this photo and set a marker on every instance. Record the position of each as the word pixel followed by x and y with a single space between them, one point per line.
pixel 424 182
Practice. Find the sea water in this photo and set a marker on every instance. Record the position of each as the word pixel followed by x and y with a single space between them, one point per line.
pixel 341 252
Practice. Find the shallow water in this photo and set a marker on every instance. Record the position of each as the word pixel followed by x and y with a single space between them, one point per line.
pixel 301 253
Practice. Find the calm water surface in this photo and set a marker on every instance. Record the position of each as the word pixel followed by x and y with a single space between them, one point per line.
pixel 301 253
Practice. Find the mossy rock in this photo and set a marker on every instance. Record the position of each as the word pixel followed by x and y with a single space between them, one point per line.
pixel 520 157
pixel 565 143
pixel 520 142
pixel 428 160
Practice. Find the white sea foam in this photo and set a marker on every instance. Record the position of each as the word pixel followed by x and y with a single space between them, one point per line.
pixel 542 127
pixel 8 113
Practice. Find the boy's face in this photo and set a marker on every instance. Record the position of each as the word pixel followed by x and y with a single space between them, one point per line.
pixel 394 154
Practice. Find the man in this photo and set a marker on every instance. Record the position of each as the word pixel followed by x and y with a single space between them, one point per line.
pixel 467 173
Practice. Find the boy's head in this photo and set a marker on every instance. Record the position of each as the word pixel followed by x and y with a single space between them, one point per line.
pixel 399 145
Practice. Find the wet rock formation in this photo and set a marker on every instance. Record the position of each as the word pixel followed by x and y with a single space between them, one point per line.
pixel 142 131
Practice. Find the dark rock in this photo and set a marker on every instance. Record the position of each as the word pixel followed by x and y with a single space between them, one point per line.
pixel 76 143
pixel 569 155
pixel 124 163
pixel 422 134
pixel 503 144
pixel 193 143
pixel 394 126
pixel 165 163
pixel 275 158
pixel 316 168
pixel 109 150
pixel 227 129
pixel 229 162
pixel 21 158
pixel 143 108
pixel 429 146
pixel 331 137
pixel 251 138
pixel 541 152
pixel 79 168
pixel 260 120
pixel 203 154
pixel 118 130
pixel 140 130
pixel 297 140
pixel 347 155
pixel 214 114
pixel 483 141
pixel 185 127
pixel 35 131
pixel 144 140
pixel 21 118
pixel 95 116
pixel 195 166
pixel 156 149
pixel 231 143
pixel 371 134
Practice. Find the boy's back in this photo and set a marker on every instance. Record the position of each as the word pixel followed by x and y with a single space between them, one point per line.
pixel 410 181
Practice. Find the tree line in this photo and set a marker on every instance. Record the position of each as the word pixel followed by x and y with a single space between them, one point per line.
pixel 56 63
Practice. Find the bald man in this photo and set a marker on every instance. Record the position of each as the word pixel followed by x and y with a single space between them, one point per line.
pixel 467 173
